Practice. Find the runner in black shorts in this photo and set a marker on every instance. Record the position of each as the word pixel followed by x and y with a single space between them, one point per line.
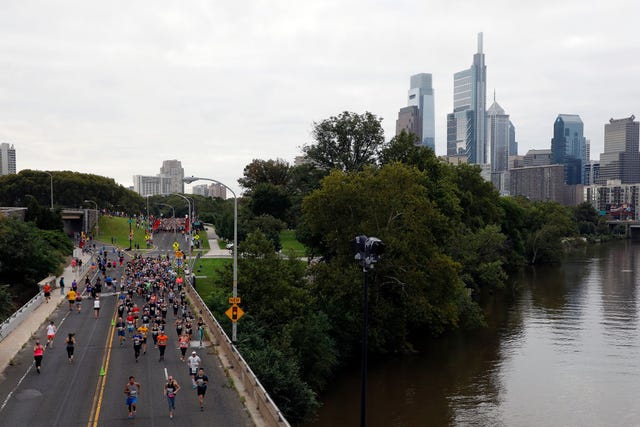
pixel 201 383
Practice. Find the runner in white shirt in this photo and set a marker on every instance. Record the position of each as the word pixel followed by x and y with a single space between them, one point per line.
pixel 51 333
pixel 193 362
pixel 96 307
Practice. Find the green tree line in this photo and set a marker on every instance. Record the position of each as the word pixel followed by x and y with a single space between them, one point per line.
pixel 449 238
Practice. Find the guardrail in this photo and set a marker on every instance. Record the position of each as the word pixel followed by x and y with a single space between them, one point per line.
pixel 264 404
pixel 13 321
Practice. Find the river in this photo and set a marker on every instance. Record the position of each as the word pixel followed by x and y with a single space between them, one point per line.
pixel 563 350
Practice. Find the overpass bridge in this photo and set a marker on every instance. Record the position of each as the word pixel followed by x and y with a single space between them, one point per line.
pixel 631 228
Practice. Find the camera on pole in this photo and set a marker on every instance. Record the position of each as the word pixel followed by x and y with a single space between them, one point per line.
pixel 367 250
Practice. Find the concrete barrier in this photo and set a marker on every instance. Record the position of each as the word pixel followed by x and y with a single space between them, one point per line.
pixel 239 369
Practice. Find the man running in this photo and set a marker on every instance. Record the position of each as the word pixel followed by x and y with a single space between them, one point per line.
pixel 47 292
pixel 137 344
pixel 71 296
pixel 143 331
pixel 51 333
pixel 201 382
pixel 120 326
pixel 162 343
pixel 132 390
pixel 171 388
pixel 193 362
pixel 96 307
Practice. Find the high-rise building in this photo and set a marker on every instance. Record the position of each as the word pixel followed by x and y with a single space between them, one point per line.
pixel 409 120
pixel 568 147
pixel 7 159
pixel 498 137
pixel 621 158
pixel 466 126
pixel 151 185
pixel 421 96
pixel 173 170
pixel 537 158
pixel 210 190
pixel 513 144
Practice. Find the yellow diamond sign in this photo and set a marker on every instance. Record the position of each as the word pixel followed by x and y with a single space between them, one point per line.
pixel 234 313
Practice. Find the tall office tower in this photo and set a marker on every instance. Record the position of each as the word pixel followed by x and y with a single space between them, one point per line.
pixel 7 159
pixel 421 96
pixel 498 137
pixel 466 126
pixel 513 144
pixel 568 147
pixel 173 170
pixel 409 120
pixel 621 159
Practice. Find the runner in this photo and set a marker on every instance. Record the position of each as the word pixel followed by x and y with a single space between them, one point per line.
pixel 137 344
pixel 171 388
pixel 120 325
pixel 79 302
pixel 155 330
pixel 38 352
pixel 71 343
pixel 61 285
pixel 132 390
pixel 47 292
pixel 194 363
pixel 143 331
pixel 201 330
pixel 71 296
pixel 96 307
pixel 162 343
pixel 51 333
pixel 201 382
pixel 183 344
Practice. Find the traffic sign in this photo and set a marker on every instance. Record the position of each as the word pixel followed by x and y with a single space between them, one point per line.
pixel 234 300
pixel 176 246
pixel 146 236
pixel 234 313
pixel 197 237
pixel 179 254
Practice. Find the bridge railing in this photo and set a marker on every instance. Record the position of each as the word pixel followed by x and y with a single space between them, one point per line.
pixel 264 404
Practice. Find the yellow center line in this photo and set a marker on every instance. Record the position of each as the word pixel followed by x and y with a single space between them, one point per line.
pixel 94 415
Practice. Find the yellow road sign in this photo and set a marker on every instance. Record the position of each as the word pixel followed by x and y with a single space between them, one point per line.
pixel 176 246
pixel 234 313
pixel 179 254
pixel 234 300
pixel 197 237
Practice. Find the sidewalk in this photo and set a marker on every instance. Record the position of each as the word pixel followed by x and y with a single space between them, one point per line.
pixel 34 322
pixel 215 251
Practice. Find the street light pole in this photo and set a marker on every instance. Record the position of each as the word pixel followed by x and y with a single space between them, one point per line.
pixel 51 196
pixel 189 180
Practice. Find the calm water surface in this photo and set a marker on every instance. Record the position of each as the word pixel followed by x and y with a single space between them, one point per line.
pixel 563 351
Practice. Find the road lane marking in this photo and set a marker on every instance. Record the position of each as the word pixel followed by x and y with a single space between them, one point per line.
pixel 96 405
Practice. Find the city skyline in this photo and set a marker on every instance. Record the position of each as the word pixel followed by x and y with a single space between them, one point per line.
pixel 115 89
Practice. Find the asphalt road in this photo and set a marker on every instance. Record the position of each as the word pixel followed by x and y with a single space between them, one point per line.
pixel 89 392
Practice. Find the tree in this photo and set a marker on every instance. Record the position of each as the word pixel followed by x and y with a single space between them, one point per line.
pixel 268 199
pixel 274 172
pixel 347 142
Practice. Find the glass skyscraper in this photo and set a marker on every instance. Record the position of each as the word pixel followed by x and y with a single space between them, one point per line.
pixel 466 126
pixel 621 159
pixel 569 147
pixel 419 115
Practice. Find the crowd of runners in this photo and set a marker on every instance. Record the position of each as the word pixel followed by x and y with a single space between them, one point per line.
pixel 150 299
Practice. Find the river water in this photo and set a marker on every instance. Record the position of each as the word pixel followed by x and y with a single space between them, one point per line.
pixel 563 350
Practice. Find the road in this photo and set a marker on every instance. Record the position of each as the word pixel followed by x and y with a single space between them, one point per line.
pixel 89 392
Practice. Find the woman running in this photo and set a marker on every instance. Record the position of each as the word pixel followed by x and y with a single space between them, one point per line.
pixel 38 353
pixel 71 346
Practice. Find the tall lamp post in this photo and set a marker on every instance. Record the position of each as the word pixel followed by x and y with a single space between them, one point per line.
pixel 97 219
pixel 367 251
pixel 51 195
pixel 189 180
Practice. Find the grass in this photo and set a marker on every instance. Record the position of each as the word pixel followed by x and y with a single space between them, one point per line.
pixel 291 245
pixel 118 229
pixel 209 267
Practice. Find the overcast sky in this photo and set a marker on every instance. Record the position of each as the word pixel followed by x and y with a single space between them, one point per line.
pixel 114 88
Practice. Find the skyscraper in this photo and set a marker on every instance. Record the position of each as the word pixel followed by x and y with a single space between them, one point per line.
pixel 621 158
pixel 466 126
pixel 419 115
pixel 568 147
pixel 498 137
pixel 7 159
pixel 173 170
